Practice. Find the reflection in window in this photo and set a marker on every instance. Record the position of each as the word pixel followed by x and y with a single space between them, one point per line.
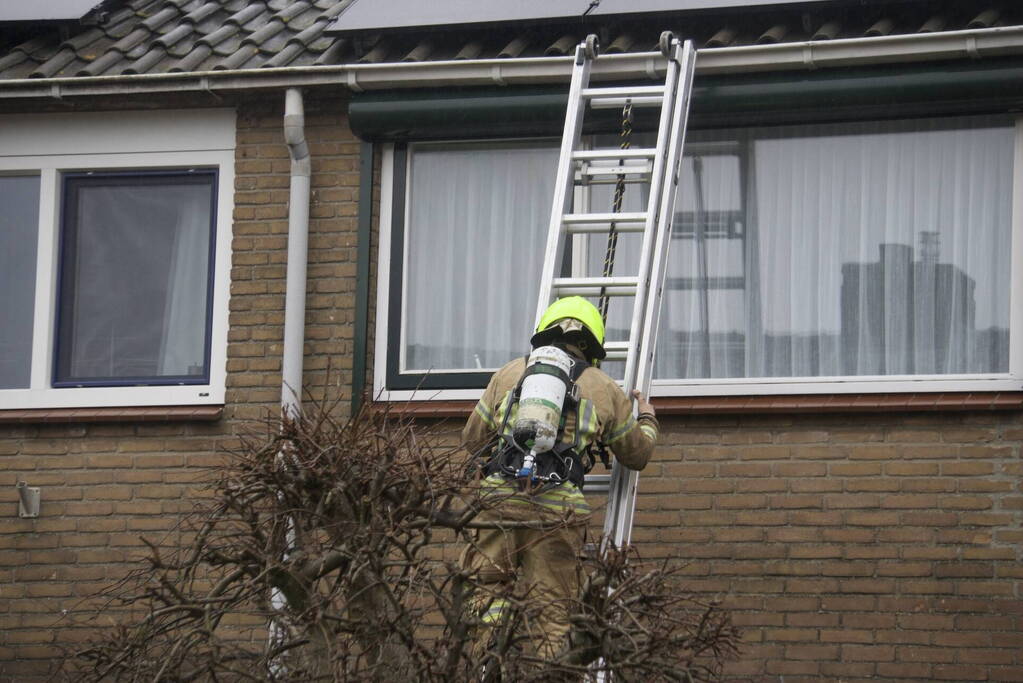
pixel 840 249
pixel 19 230
pixel 135 278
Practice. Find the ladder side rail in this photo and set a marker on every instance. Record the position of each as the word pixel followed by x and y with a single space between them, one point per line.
pixel 622 492
pixel 666 216
pixel 649 232
pixel 564 180
pixel 623 481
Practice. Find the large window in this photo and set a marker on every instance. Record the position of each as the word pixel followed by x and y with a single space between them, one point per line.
pixel 115 241
pixel 870 256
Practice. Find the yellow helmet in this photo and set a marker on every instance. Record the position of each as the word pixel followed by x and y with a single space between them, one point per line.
pixel 589 336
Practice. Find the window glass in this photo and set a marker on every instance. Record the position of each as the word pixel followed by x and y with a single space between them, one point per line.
pixel 135 278
pixel 861 249
pixel 474 239
pixel 19 229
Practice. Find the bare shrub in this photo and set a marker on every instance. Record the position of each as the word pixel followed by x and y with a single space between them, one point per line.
pixel 325 553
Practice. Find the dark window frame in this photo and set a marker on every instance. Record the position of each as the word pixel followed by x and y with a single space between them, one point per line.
pixel 67 240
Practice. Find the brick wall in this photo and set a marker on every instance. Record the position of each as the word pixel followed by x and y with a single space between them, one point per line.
pixel 882 547
pixel 105 485
pixel 855 547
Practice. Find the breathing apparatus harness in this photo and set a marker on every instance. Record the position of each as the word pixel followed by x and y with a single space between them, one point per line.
pixel 533 452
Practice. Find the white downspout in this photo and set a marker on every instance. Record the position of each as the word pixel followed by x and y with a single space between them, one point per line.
pixel 294 300
pixel 298 253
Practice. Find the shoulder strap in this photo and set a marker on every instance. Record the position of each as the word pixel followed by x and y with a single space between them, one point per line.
pixel 578 368
pixel 512 399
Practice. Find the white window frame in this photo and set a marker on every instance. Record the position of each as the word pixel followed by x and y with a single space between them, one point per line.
pixel 48 145
pixel 901 384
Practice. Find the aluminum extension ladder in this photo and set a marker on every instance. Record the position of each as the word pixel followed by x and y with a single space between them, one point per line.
pixel 659 165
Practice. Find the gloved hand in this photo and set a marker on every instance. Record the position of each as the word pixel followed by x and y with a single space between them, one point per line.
pixel 642 404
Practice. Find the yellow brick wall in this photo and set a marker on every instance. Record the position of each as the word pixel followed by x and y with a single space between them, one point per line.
pixel 861 547
pixel 105 485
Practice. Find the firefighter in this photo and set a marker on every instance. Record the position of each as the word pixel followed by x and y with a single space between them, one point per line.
pixel 596 411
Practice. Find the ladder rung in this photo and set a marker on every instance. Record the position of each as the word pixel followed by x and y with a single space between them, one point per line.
pixel 595 228
pixel 616 350
pixel 633 153
pixel 598 483
pixel 611 181
pixel 620 102
pixel 592 286
pixel 603 218
pixel 624 91
pixel 617 169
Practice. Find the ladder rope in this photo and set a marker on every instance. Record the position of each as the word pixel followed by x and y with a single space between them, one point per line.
pixel 616 207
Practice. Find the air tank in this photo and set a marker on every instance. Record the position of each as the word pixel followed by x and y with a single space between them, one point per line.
pixel 540 401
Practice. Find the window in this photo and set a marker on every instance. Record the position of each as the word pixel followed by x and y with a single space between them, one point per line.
pixel 476 219
pixel 845 257
pixel 116 252
pixel 19 195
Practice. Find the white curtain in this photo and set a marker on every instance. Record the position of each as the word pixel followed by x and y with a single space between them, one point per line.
pixel 474 242
pixel 182 350
pixel 852 249
pixel 859 249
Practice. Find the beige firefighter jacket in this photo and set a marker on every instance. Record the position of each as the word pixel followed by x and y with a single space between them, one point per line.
pixel 604 414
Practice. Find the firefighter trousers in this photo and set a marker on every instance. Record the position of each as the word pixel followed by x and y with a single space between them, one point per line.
pixel 541 562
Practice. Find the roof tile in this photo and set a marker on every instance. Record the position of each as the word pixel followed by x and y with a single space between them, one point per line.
pixel 985 19
pixel 52 66
pixel 934 24
pixel 220 35
pixel 156 36
pixel 100 65
pixel 562 46
pixel 247 14
pixel 334 53
pixel 294 10
pixel 311 33
pixel 36 46
pixel 202 12
pixel 131 40
pixel 229 46
pixel 271 46
pixel 471 50
pixel 174 36
pixel 243 54
pixel 12 59
pixel 120 24
pixel 290 52
pixel 517 46
pixel 160 18
pixel 144 63
pixel 190 62
pixel 271 29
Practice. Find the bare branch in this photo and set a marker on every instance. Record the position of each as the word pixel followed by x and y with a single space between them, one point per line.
pixel 317 558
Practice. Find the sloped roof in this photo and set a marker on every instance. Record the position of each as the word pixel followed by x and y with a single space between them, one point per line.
pixel 169 36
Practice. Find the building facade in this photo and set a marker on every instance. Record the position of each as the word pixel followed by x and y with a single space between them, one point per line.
pixel 839 377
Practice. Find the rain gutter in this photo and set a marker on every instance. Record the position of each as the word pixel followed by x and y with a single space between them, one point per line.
pixel 808 55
